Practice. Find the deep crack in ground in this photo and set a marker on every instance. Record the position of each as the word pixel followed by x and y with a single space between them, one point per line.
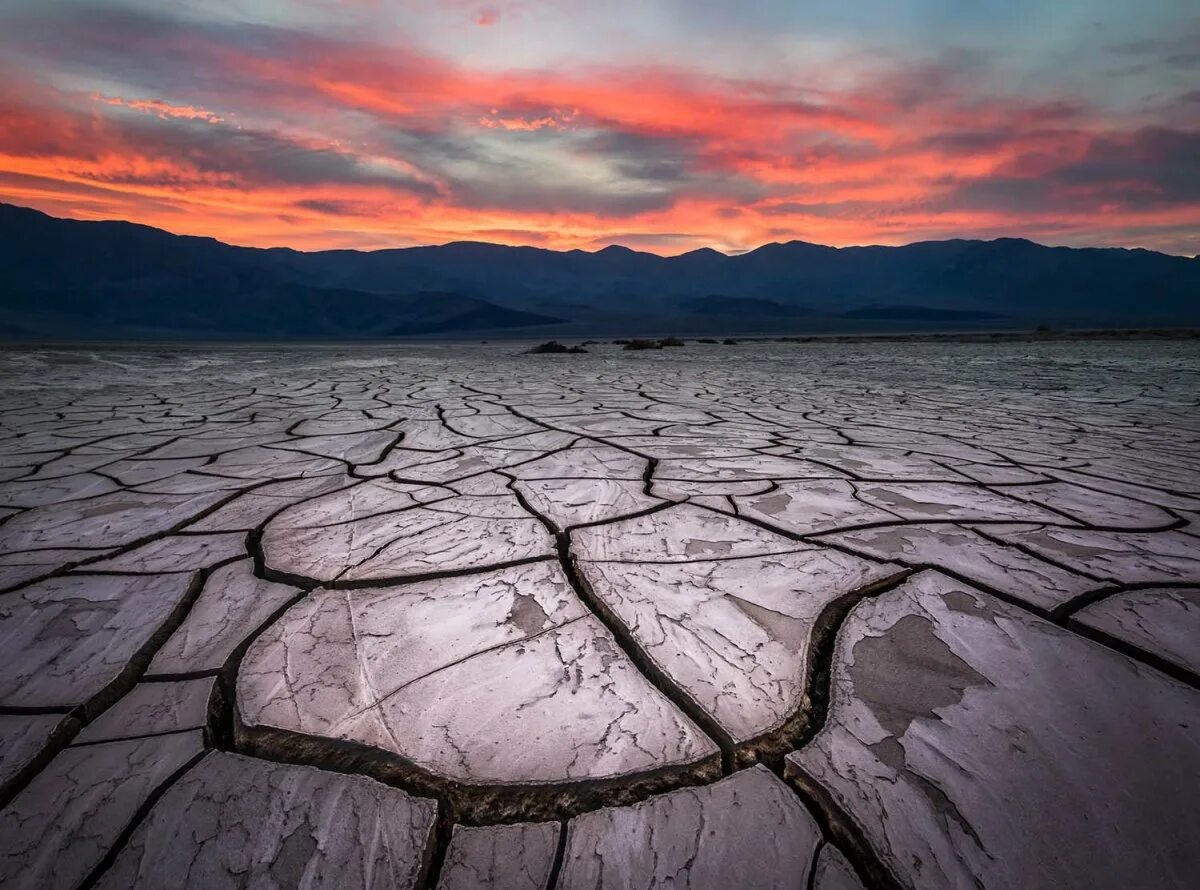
pixel 678 567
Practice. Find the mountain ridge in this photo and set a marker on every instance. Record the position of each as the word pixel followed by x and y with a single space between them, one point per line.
pixel 6 206
pixel 82 278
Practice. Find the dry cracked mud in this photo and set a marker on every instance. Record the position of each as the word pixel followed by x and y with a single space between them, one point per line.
pixel 444 617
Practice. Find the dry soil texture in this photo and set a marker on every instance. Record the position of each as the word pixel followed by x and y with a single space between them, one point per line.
pixel 803 616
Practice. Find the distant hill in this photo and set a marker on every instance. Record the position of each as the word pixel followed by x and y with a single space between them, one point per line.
pixel 735 307
pixel 60 278
pixel 70 279
pixel 921 313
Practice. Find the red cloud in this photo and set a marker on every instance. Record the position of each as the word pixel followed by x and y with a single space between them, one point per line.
pixel 431 151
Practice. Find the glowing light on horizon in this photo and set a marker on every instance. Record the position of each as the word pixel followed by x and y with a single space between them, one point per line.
pixel 315 135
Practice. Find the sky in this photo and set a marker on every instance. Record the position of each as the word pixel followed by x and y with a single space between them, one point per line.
pixel 662 125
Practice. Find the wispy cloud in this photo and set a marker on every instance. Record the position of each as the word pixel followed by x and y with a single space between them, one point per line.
pixel 266 133
pixel 162 109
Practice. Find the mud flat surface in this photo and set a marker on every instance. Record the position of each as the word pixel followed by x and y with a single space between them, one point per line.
pixel 448 616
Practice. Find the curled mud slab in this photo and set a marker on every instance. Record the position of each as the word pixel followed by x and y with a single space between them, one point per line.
pixel 427 620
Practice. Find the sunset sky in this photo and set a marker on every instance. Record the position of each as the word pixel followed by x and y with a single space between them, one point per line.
pixel 664 125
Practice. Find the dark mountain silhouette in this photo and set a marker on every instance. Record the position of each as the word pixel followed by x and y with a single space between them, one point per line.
pixel 921 313
pixel 61 278
pixel 64 278
pixel 735 307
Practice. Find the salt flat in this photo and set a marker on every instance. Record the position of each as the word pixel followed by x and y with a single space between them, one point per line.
pixel 767 615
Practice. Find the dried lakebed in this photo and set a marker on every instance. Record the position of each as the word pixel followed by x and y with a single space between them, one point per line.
pixel 449 618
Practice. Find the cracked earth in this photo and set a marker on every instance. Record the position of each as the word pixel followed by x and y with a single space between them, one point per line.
pixel 445 617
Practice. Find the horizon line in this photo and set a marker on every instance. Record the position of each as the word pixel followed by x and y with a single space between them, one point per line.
pixel 598 250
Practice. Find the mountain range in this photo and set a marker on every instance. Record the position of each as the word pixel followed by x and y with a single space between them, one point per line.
pixel 66 279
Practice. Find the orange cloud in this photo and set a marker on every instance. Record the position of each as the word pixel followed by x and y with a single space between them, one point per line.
pixel 495 120
pixel 162 109
pixel 346 145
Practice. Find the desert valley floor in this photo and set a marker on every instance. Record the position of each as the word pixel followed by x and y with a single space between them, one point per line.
pixel 755 616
